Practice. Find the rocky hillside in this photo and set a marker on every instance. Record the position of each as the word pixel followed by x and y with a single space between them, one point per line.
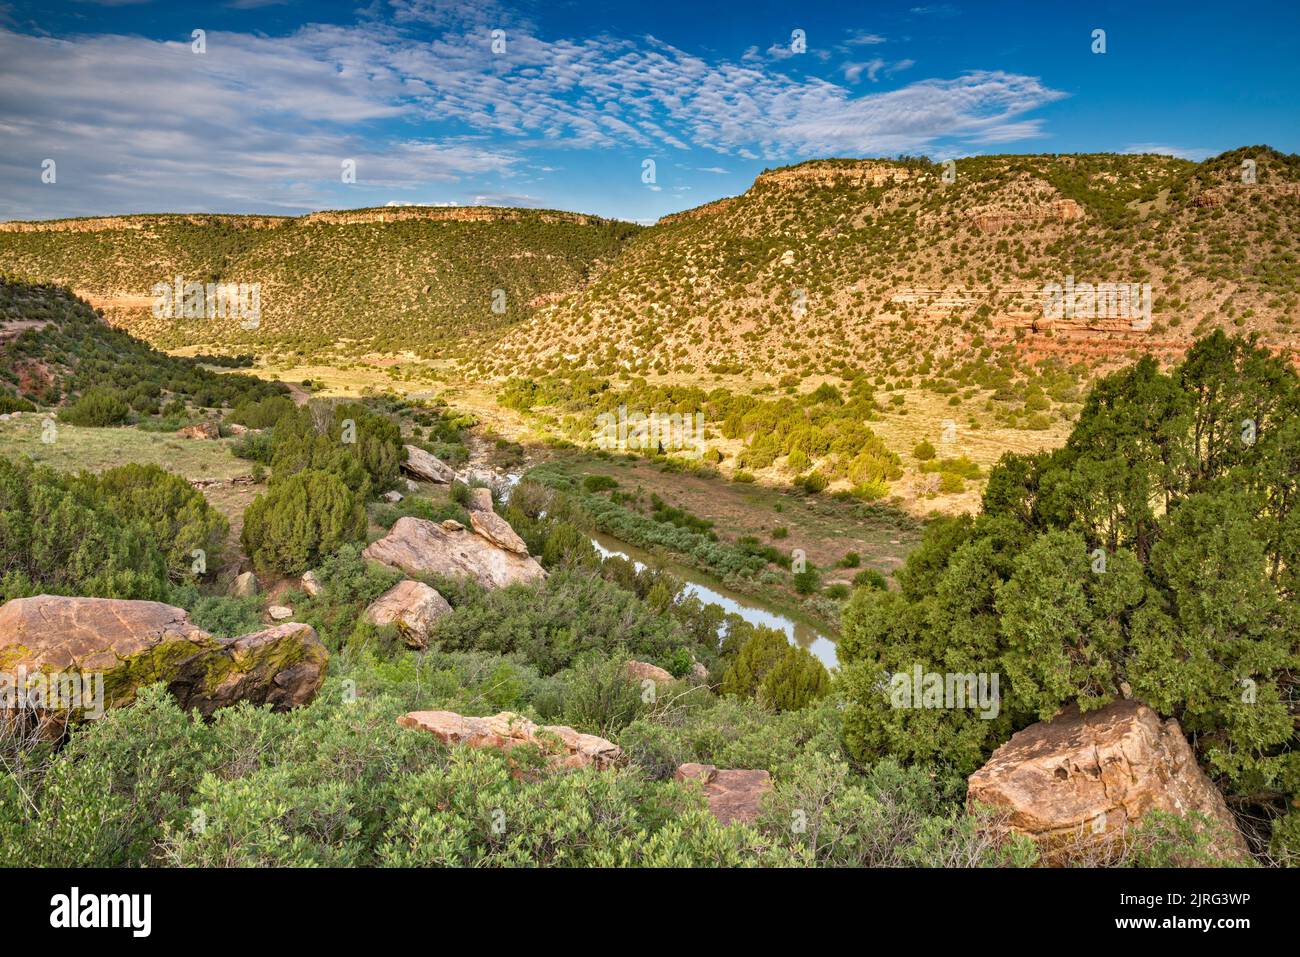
pixel 889 266
pixel 901 268
pixel 382 280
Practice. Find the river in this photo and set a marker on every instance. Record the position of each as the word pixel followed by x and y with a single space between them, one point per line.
pixel 711 592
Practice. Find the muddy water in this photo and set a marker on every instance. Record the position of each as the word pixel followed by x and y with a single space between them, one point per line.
pixel 711 592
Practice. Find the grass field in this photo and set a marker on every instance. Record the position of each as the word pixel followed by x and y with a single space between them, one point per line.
pixel 824 527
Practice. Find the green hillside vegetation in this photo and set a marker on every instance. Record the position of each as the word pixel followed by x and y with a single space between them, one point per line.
pixel 60 348
pixel 712 291
pixel 1154 555
pixel 355 285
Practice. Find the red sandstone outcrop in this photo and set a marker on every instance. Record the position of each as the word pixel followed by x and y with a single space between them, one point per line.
pixel 427 467
pixel 420 547
pixel 1082 779
pixel 735 795
pixel 641 670
pixel 413 607
pixel 497 531
pixel 565 747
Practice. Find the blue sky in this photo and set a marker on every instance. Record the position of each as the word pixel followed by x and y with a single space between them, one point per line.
pixel 584 93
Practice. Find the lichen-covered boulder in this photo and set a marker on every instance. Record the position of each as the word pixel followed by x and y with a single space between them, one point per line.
pixel 136 643
pixel 413 607
pixel 245 586
pixel 421 547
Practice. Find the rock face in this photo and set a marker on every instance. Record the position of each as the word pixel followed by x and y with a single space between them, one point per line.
pixel 733 795
pixel 136 643
pixel 1081 779
pixel 566 748
pixel 245 586
pixel 497 531
pixel 420 547
pixel 200 430
pixel 480 500
pixel 428 467
pixel 641 670
pixel 413 607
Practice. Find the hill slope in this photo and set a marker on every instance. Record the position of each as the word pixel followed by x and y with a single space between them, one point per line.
pixel 839 264
pixel 831 267
pixel 385 280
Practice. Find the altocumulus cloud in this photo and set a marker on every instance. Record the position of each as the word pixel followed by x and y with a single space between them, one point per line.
pixel 262 123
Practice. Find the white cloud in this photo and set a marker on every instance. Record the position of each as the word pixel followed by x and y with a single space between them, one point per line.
pixel 263 122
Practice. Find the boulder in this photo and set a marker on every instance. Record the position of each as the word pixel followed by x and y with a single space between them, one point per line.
pixel 411 486
pixel 136 643
pixel 566 748
pixel 237 429
pixel 421 547
pixel 735 795
pixel 413 607
pixel 641 670
pixel 426 466
pixel 200 430
pixel 245 586
pixel 699 672
pixel 280 612
pixel 480 499
pixel 392 497
pixel 311 584
pixel 1080 780
pixel 497 531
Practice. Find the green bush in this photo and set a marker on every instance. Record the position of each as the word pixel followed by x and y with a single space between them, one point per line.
pixel 598 483
pixel 1153 555
pixel 775 673
pixel 177 516
pixel 96 407
pixel 290 527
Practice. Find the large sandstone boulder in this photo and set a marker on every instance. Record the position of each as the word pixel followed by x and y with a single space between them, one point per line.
pixel 735 795
pixel 497 531
pixel 641 670
pixel 421 547
pixel 200 430
pixel 245 586
pixel 136 643
pixel 426 466
pixel 1080 780
pixel 480 499
pixel 564 746
pixel 413 607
